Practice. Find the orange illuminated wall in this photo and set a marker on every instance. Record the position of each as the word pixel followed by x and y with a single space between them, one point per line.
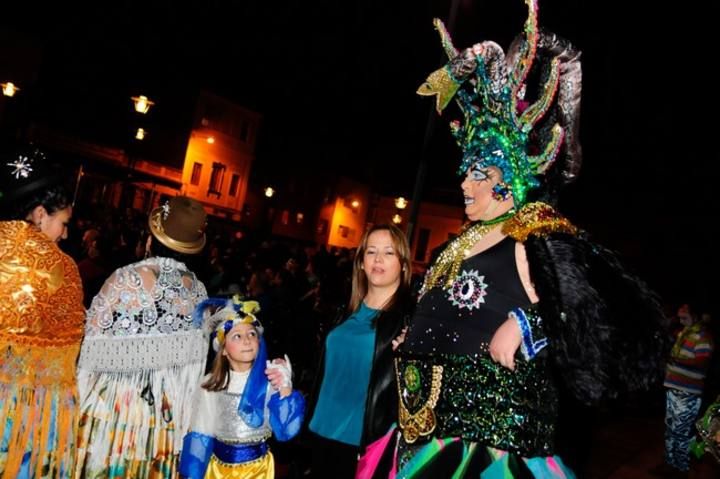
pixel 220 153
pixel 347 223
pixel 217 173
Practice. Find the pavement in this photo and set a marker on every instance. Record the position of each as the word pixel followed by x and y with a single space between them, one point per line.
pixel 627 446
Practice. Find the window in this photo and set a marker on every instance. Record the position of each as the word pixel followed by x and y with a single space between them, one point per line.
pixel 196 172
pixel 422 244
pixel 346 232
pixel 234 183
pixel 244 131
pixel 216 179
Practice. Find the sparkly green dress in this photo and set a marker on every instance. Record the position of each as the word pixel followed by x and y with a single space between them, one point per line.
pixel 450 389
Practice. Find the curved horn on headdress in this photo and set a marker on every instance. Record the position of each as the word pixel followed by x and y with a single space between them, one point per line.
pixel 544 161
pixel 445 39
pixel 568 101
pixel 526 55
pixel 537 110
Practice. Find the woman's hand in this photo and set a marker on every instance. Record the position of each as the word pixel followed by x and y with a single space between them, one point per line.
pixel 279 374
pixel 505 343
pixel 400 339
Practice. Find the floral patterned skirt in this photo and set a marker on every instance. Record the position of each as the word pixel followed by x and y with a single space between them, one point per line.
pixel 132 424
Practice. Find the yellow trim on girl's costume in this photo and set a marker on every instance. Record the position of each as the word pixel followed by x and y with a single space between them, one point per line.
pixel 262 468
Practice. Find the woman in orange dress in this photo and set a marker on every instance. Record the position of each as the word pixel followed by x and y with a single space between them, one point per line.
pixel 41 326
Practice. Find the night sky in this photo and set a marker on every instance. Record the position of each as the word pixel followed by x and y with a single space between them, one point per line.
pixel 335 83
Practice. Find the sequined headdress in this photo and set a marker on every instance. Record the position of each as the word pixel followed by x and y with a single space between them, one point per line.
pixel 499 127
pixel 230 312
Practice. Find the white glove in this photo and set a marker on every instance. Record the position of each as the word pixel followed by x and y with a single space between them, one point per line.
pixel 284 369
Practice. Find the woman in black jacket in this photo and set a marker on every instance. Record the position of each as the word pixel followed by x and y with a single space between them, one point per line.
pixel 357 399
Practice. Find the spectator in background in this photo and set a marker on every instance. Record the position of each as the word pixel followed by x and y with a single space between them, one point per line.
pixel 684 383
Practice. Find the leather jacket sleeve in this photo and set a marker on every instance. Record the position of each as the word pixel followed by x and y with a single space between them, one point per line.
pixel 382 398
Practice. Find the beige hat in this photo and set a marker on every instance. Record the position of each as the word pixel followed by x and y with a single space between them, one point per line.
pixel 179 224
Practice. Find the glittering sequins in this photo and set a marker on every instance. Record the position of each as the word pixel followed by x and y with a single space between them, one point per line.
pixel 484 402
pixel 538 219
pixel 416 417
pixel 447 266
pixel 412 378
pixel 468 290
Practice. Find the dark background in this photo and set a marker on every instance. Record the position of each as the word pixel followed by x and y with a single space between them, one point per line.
pixel 335 82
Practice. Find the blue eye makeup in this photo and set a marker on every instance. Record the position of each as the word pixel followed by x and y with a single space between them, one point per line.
pixel 477 173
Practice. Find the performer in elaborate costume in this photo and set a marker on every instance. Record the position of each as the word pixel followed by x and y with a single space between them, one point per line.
pixel 41 326
pixel 242 402
pixel 143 356
pixel 519 276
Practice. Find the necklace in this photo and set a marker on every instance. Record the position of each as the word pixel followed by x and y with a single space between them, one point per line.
pixel 448 263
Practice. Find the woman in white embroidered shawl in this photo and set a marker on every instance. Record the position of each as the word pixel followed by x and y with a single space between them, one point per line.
pixel 143 357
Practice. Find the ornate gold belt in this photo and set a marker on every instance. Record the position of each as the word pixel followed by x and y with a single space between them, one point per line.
pixel 423 422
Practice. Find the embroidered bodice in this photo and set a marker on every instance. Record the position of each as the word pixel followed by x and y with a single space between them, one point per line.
pixel 142 319
pixel 153 296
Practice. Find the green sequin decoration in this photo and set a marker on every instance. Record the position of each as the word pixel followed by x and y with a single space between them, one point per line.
pixel 412 378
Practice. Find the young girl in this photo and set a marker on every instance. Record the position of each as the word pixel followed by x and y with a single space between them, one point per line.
pixel 235 411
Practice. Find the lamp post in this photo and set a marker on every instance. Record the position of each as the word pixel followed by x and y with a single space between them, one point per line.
pixel 9 89
pixel 142 103
pixel 269 214
pixel 400 204
pixel 12 115
pixel 138 130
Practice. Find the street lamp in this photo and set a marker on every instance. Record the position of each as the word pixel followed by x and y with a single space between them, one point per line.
pixel 9 89
pixel 142 103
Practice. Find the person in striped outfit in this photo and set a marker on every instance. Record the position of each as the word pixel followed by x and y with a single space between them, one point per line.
pixel 684 381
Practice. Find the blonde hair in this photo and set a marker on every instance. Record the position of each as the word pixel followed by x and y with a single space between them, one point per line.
pixel 359 278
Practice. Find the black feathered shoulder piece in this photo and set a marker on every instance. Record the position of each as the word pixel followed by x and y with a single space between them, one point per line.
pixel 604 325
